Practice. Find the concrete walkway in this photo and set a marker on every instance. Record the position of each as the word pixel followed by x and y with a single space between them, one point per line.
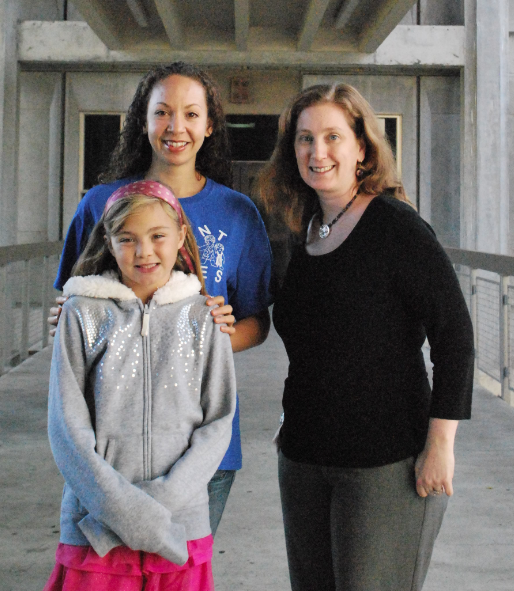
pixel 474 552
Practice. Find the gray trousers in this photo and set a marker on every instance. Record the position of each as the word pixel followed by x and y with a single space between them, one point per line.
pixel 360 529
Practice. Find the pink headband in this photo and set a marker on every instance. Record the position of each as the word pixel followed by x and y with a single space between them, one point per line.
pixel 151 189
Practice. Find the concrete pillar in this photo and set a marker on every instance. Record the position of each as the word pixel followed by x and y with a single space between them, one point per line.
pixel 441 12
pixel 440 157
pixel 11 12
pixel 492 211
pixel 511 124
pixel 8 122
pixel 38 156
pixel 54 161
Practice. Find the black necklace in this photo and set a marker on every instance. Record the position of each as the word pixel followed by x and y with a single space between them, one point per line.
pixel 324 229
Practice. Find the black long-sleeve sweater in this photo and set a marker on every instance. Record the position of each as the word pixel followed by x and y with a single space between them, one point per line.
pixel 353 322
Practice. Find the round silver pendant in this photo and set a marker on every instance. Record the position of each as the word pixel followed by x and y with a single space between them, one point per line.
pixel 324 231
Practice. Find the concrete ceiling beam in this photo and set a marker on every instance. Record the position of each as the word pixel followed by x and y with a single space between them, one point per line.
pixel 101 22
pixel 345 13
pixel 242 23
pixel 138 12
pixel 311 22
pixel 46 45
pixel 170 17
pixel 377 29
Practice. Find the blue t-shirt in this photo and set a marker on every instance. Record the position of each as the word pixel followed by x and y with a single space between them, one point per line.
pixel 234 251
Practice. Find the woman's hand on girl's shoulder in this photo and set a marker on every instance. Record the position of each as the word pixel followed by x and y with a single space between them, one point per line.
pixel 222 314
pixel 55 313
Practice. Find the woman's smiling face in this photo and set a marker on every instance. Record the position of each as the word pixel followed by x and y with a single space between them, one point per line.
pixel 327 151
pixel 177 121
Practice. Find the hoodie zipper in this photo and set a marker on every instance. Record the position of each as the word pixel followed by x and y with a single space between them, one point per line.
pixel 146 321
pixel 147 398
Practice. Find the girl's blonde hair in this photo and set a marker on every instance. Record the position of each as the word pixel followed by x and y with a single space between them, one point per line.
pixel 97 257
pixel 281 187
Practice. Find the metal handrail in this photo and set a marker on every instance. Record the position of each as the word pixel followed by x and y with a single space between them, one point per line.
pixel 503 266
pixel 496 263
pixel 16 254
pixel 476 262
pixel 24 252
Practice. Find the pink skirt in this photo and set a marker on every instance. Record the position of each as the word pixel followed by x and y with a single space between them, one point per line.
pixel 79 568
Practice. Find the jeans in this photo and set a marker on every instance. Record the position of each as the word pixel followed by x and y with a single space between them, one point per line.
pixel 357 529
pixel 219 489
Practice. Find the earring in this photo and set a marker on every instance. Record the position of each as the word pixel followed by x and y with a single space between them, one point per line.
pixel 360 170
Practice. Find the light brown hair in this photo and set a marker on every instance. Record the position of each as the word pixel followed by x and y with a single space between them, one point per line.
pixel 281 187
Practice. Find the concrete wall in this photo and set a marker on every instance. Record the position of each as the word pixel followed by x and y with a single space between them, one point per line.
pixel 270 90
pixel 436 12
pixel 480 211
pixel 89 92
pixel 39 157
pixel 492 92
pixel 439 161
pixel 442 12
pixel 73 13
pixel 510 127
pixel 10 13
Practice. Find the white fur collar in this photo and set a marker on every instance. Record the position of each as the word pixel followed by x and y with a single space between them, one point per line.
pixel 107 285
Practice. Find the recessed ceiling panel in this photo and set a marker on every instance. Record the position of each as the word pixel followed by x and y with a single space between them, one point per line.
pixel 287 14
pixel 208 14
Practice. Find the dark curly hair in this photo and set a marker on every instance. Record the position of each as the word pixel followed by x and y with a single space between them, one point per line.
pixel 282 188
pixel 133 153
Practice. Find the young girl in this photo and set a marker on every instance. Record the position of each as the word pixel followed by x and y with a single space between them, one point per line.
pixel 142 396
pixel 175 133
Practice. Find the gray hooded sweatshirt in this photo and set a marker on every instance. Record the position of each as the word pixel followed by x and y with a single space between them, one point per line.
pixel 140 414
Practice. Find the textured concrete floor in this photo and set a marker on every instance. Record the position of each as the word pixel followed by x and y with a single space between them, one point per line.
pixel 474 552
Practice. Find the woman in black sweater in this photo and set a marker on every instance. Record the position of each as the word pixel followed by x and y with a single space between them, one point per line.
pixel 366 449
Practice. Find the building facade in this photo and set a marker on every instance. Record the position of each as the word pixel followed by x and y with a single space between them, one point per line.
pixel 437 71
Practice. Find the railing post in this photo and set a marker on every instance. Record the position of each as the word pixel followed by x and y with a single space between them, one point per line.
pixel 474 313
pixel 44 302
pixel 504 338
pixel 25 311
pixel 4 316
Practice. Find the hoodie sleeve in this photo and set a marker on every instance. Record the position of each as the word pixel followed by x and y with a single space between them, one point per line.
pixel 209 442
pixel 118 510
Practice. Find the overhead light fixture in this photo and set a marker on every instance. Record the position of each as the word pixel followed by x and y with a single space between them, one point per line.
pixel 241 125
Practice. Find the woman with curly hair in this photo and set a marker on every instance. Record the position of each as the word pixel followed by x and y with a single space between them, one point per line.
pixel 366 455
pixel 175 133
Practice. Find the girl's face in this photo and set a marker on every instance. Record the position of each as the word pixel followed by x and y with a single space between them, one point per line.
pixel 146 249
pixel 177 121
pixel 327 150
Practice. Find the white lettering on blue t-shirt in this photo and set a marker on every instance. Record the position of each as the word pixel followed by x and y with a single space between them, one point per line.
pixel 212 252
